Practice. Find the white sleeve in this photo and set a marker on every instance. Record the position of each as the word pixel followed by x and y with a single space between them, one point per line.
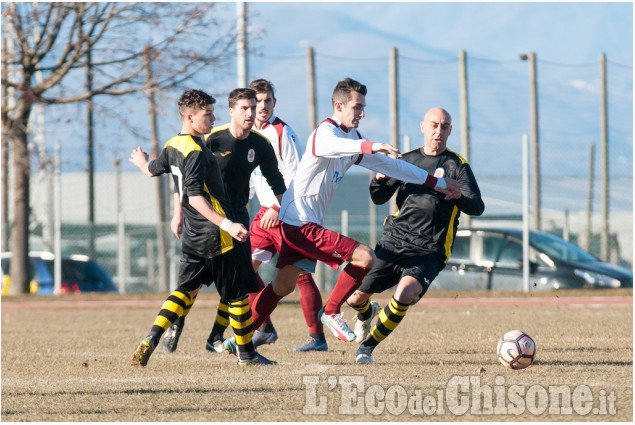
pixel 326 143
pixel 395 168
pixel 252 185
pixel 289 154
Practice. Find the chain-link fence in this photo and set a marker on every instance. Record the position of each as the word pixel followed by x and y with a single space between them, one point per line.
pixel 498 116
pixel 138 248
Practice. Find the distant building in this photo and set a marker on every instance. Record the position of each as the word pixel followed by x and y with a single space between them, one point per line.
pixel 138 200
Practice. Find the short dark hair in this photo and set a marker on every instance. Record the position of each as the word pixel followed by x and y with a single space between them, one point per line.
pixel 344 88
pixel 194 100
pixel 262 86
pixel 238 94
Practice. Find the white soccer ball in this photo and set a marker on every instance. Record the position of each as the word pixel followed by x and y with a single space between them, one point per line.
pixel 516 350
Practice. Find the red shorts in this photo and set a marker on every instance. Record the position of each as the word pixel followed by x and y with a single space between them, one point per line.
pixel 264 240
pixel 306 244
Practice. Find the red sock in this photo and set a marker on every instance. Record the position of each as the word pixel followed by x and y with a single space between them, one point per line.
pixel 311 302
pixel 264 303
pixel 349 280
pixel 261 284
pixel 252 296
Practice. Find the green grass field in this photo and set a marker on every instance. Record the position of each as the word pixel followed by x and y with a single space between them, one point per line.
pixel 68 359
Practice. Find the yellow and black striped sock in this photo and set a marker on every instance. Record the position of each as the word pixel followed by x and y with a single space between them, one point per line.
pixel 387 321
pixel 188 307
pixel 241 322
pixel 173 308
pixel 363 310
pixel 221 322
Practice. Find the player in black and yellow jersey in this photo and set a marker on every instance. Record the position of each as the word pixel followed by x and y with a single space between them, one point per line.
pixel 209 252
pixel 239 150
pixel 417 240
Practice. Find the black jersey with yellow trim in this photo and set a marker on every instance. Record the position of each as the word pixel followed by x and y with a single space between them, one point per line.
pixel 195 172
pixel 425 221
pixel 238 158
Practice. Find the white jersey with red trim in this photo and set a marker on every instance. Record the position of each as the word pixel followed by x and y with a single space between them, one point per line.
pixel 284 142
pixel 330 151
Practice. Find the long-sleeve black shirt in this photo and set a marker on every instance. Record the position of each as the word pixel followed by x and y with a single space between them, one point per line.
pixel 196 173
pixel 238 158
pixel 425 221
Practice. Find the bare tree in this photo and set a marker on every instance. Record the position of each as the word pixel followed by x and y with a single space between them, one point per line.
pixel 54 38
pixel 4 149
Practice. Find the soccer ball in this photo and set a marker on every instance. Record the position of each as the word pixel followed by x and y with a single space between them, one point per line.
pixel 516 350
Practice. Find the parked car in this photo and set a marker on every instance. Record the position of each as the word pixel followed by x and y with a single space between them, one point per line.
pixel 79 274
pixel 492 258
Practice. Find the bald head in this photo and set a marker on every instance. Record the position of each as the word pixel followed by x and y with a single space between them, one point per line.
pixel 436 127
pixel 437 113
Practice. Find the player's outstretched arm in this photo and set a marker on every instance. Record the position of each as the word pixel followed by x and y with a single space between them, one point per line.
pixel 236 230
pixel 399 169
pixel 325 142
pixel 392 151
pixel 404 171
pixel 139 158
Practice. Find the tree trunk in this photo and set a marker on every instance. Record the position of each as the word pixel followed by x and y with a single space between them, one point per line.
pixel 19 274
pixel 162 240
pixel 4 244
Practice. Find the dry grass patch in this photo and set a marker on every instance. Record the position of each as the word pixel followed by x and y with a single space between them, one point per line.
pixel 71 362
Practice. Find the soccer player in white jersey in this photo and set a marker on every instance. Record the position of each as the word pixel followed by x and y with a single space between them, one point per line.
pixel 265 228
pixel 333 147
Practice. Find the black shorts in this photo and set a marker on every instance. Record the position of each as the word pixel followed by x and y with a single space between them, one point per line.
pixel 391 266
pixel 231 272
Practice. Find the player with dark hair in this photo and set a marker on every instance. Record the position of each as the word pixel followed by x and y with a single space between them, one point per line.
pixel 238 150
pixel 209 253
pixel 417 241
pixel 333 147
pixel 265 228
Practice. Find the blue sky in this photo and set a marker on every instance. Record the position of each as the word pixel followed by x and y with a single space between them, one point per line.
pixel 354 39
pixel 568 32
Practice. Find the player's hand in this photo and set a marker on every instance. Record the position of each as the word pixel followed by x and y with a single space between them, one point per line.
pixel 238 232
pixel 269 219
pixel 176 226
pixel 380 176
pixel 452 189
pixel 138 157
pixel 387 149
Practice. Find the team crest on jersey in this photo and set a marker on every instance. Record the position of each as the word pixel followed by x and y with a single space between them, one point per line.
pixel 251 155
pixel 439 172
